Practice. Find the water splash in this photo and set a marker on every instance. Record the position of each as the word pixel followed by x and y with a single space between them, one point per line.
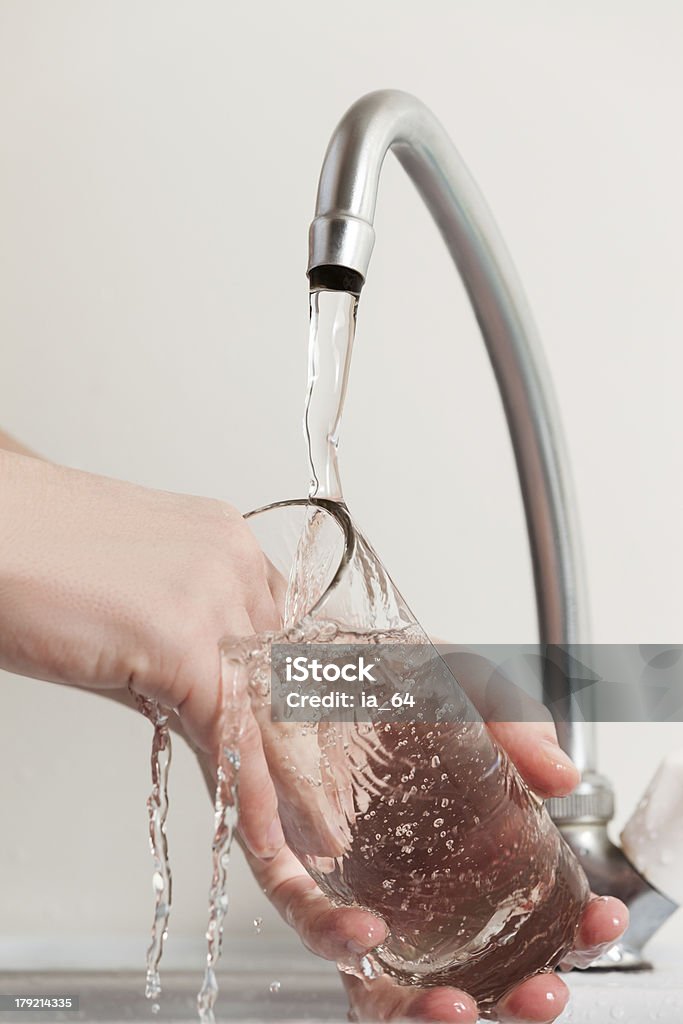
pixel 157 809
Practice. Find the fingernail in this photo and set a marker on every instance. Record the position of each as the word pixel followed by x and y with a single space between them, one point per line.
pixel 557 755
pixel 275 837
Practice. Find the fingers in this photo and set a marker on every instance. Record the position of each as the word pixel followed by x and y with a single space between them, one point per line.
pixel 311 772
pixel 385 1000
pixel 267 608
pixel 539 758
pixel 491 687
pixel 278 588
pixel 604 920
pixel 536 1001
pixel 528 736
pixel 442 1004
pixel 259 823
pixel 330 932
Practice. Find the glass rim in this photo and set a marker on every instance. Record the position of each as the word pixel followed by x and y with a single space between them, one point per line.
pixel 339 512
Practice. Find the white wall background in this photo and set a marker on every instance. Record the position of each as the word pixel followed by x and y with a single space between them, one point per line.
pixel 157 176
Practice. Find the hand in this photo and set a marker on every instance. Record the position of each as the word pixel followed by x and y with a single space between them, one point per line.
pixel 344 934
pixel 106 585
pixel 340 933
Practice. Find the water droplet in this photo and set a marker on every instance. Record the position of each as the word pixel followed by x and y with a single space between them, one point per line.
pixel 258 921
pixel 274 987
pixel 436 761
pixel 438 822
pixel 155 1007
pixel 369 968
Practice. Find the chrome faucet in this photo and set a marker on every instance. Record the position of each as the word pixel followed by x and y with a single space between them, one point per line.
pixel 341 242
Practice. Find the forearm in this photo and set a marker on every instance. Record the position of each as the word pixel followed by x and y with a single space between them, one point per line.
pixel 26 506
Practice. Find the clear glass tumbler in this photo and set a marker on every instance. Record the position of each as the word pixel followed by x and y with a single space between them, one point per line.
pixel 424 822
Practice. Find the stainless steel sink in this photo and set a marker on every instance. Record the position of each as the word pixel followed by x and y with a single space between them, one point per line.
pixel 312 995
pixel 310 991
pixel 629 997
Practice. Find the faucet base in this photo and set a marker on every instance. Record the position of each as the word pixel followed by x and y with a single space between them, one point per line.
pixel 610 873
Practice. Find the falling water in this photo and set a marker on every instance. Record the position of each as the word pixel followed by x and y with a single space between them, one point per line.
pixel 332 331
pixel 330 345
pixel 226 814
pixel 225 818
pixel 157 808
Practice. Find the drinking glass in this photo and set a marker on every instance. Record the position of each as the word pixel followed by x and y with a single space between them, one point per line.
pixel 412 812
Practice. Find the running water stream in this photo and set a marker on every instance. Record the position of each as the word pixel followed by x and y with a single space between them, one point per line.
pixel 225 823
pixel 157 809
pixel 330 345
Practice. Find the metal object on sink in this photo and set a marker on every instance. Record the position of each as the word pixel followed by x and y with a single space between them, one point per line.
pixel 583 818
pixel 340 245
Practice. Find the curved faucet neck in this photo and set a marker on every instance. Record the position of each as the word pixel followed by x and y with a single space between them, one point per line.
pixel 341 241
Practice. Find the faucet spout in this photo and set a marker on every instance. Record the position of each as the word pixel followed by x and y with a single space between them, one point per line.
pixel 341 241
